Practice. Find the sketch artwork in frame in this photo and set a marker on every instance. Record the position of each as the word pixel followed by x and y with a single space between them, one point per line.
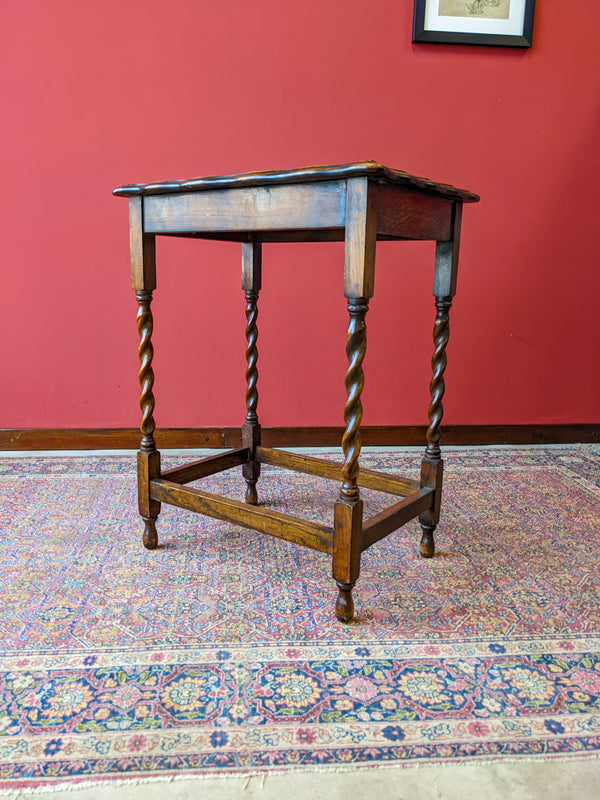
pixel 508 23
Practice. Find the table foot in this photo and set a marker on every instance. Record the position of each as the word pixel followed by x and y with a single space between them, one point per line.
pixel 344 606
pixel 150 535
pixel 427 543
pixel 251 494
pixel 251 470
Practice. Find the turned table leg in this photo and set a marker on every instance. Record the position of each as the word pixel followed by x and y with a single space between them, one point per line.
pixel 143 281
pixel 347 529
pixel 432 466
pixel 148 459
pixel 359 276
pixel 251 283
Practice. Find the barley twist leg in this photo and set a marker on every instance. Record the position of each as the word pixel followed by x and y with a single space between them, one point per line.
pixel 148 456
pixel 356 346
pixel 251 356
pixel 348 509
pixel 432 466
pixel 146 374
pixel 251 470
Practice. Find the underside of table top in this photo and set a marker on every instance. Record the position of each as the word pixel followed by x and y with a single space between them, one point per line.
pixel 369 169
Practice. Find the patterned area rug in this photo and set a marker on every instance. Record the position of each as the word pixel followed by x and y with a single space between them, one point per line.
pixel 220 653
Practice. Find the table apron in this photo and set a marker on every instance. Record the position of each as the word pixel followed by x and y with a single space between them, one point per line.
pixel 300 206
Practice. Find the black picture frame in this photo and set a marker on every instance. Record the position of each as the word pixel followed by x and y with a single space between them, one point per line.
pixel 522 39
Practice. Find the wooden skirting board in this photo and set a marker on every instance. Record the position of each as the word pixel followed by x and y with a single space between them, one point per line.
pixel 376 435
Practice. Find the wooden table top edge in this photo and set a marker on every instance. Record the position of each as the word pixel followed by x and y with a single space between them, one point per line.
pixel 370 169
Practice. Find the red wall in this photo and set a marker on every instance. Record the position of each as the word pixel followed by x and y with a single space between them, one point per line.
pixel 99 94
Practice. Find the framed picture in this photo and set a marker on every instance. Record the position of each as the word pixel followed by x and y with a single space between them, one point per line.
pixel 508 23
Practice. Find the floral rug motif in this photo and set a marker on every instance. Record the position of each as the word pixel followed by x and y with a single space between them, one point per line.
pixel 219 652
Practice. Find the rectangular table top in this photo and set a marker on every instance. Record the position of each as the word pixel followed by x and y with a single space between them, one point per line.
pixel 370 169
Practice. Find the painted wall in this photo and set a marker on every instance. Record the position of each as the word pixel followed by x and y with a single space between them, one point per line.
pixel 99 94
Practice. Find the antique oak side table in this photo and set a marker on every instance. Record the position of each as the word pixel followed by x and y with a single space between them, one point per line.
pixel 355 203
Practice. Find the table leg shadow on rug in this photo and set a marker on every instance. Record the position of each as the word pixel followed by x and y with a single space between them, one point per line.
pixel 219 653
